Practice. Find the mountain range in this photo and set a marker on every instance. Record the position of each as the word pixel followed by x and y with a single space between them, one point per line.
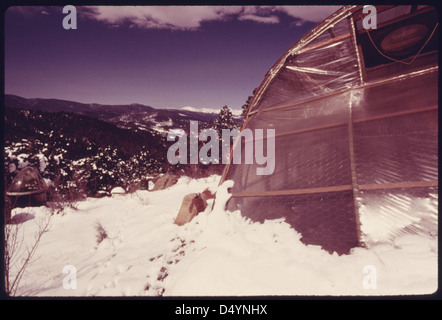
pixel 130 116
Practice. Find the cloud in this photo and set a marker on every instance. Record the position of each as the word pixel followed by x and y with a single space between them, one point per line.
pixel 27 11
pixel 260 14
pixel 162 17
pixel 186 17
pixel 271 19
pixel 308 13
pixel 191 17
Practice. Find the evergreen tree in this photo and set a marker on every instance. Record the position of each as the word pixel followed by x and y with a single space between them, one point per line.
pixel 247 104
pixel 224 120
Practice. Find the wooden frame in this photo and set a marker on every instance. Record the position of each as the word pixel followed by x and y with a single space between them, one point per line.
pixel 347 187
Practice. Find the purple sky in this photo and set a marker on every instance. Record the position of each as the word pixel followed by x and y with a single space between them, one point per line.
pixel 165 57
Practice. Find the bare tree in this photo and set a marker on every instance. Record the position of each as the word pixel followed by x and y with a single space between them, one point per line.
pixel 18 255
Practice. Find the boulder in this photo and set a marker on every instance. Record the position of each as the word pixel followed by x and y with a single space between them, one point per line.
pixel 165 182
pixel 192 204
pixel 101 194
pixel 118 191
pixel 144 184
pixel 28 189
pixel 207 194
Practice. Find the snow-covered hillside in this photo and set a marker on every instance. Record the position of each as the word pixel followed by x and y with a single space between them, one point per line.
pixel 218 253
pixel 134 116
pixel 235 112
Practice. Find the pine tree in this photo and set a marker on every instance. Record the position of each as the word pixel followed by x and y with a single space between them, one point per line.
pixel 247 104
pixel 224 120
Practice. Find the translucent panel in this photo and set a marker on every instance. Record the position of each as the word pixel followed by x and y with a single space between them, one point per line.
pixel 410 93
pixel 396 131
pixel 321 112
pixel 307 160
pixel 397 149
pixel 387 214
pixel 338 30
pixel 316 71
pixel 324 219
pixel 424 61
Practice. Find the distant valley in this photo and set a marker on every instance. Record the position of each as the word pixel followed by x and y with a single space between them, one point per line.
pixel 131 116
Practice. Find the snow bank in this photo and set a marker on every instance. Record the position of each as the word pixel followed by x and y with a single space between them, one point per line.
pixel 218 253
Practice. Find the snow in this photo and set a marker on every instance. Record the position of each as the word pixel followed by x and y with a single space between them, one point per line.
pixel 58 157
pixel 218 253
pixel 176 132
pixel 235 112
pixel 22 162
pixel 12 167
pixel 159 126
pixel 43 162
pixel 118 190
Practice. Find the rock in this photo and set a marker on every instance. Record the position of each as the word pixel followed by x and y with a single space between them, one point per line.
pixel 101 194
pixel 207 194
pixel 144 184
pixel 118 191
pixel 165 182
pixel 192 204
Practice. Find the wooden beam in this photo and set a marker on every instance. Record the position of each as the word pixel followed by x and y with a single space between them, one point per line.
pixel 398 185
pixel 364 187
pixel 323 43
pixel 357 52
pixel 293 192
pixel 361 120
pixel 395 114
pixel 326 126
pixel 317 128
pixel 354 180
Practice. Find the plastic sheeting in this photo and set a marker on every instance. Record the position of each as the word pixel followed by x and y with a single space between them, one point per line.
pixel 326 65
pixel 347 152
pixel 28 181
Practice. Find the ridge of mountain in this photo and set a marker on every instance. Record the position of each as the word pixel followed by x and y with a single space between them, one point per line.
pixel 130 116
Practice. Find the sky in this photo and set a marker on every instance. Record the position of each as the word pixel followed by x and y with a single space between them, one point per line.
pixel 161 56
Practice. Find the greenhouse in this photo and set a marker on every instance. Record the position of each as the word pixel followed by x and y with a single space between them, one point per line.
pixel 355 112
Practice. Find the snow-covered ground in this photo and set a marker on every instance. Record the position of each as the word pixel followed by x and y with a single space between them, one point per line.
pixel 218 253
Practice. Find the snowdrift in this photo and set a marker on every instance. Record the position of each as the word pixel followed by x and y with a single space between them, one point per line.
pixel 218 253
